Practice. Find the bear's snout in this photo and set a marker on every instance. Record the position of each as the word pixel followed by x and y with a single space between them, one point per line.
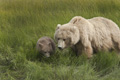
pixel 47 54
pixel 60 48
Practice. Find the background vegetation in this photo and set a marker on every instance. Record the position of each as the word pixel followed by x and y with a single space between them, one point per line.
pixel 23 22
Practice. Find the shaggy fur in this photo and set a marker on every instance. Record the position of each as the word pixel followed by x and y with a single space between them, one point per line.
pixel 84 35
pixel 46 46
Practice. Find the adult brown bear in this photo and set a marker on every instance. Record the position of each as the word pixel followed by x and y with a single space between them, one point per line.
pixel 85 34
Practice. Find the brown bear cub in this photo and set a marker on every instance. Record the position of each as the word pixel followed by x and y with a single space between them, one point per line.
pixel 46 46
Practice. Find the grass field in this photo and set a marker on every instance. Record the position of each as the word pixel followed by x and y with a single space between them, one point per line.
pixel 23 22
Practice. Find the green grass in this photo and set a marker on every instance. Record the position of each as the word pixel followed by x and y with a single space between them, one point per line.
pixel 23 22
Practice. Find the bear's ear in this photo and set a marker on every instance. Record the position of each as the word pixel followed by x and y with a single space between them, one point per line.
pixel 58 26
pixel 75 20
pixel 40 44
pixel 73 29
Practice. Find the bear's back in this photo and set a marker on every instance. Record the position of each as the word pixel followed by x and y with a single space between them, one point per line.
pixel 104 28
pixel 103 22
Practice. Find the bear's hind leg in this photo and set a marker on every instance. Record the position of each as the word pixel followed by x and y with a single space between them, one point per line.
pixel 117 46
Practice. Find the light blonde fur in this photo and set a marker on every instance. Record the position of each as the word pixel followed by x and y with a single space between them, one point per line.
pixel 98 33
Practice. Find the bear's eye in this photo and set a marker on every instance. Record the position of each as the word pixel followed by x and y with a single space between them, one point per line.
pixel 63 39
pixel 58 38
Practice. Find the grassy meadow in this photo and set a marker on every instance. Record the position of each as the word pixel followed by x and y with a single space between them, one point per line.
pixel 23 22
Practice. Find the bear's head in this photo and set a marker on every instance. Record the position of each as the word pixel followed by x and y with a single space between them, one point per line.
pixel 66 35
pixel 45 48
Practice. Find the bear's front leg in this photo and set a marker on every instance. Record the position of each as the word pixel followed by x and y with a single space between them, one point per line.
pixel 79 52
pixel 87 47
pixel 87 50
pixel 78 49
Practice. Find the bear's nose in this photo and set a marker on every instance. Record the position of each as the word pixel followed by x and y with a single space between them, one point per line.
pixel 60 48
